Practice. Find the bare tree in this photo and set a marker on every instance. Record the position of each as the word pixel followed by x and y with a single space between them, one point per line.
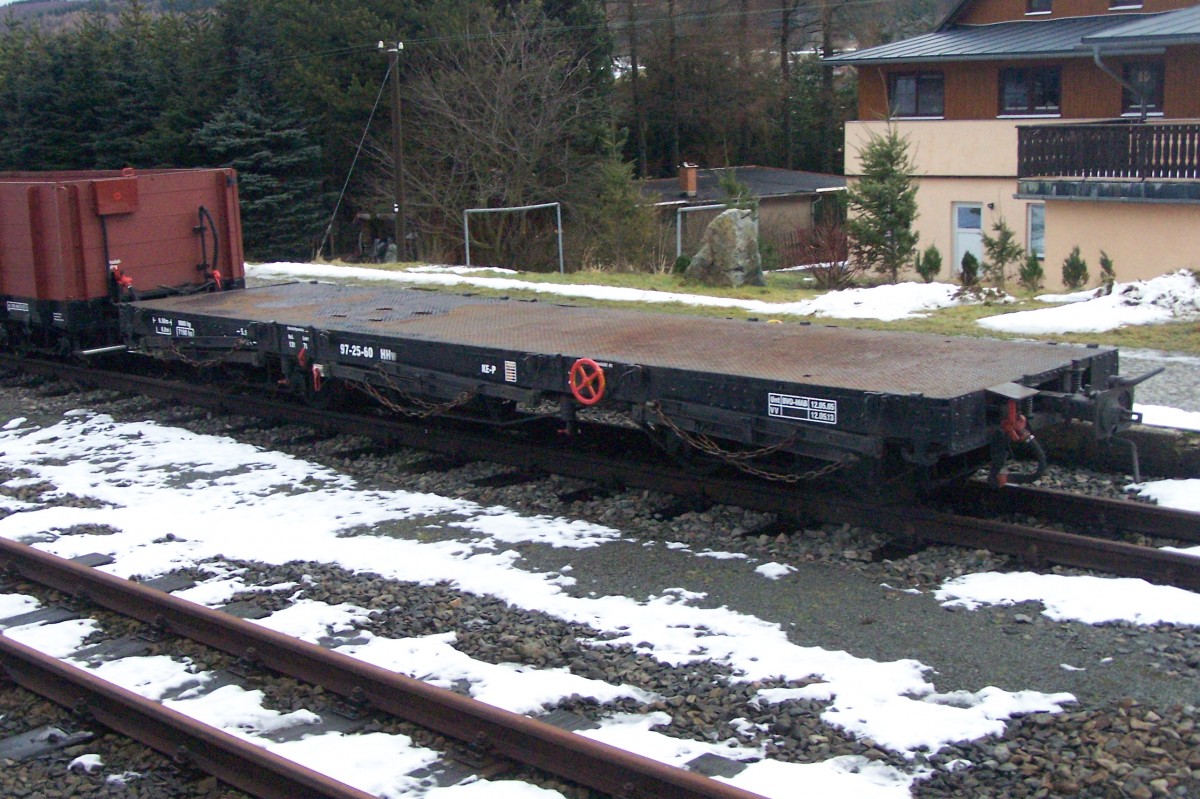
pixel 497 118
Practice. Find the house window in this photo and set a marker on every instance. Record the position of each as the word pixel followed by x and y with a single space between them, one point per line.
pixel 1122 5
pixel 1037 229
pixel 1038 6
pixel 1147 78
pixel 917 94
pixel 1030 91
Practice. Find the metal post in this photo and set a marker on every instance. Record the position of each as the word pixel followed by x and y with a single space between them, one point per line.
pixel 687 209
pixel 401 205
pixel 467 235
pixel 558 218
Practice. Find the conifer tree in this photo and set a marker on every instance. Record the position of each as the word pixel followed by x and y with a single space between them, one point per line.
pixel 1108 272
pixel 883 207
pixel 1031 273
pixel 279 185
pixel 1075 270
pixel 36 132
pixel 1001 251
pixel 618 231
pixel 929 263
pixel 970 269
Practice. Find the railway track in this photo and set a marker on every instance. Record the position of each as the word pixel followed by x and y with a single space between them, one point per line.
pixel 496 737
pixel 912 525
pixel 592 465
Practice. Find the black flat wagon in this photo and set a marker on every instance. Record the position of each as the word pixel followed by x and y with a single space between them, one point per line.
pixel 792 398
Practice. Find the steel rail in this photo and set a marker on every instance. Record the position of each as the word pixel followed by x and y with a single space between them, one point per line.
pixel 1045 546
pixel 236 762
pixel 1076 509
pixel 486 728
pixel 1036 544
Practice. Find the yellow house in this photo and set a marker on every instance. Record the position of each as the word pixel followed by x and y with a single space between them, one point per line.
pixel 1076 121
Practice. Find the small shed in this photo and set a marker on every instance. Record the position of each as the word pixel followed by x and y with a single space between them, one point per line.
pixel 790 202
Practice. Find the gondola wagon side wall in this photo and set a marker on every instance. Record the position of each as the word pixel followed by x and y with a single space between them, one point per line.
pixel 60 231
pixel 42 242
pixel 180 218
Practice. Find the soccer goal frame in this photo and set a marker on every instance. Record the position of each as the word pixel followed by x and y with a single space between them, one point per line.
pixel 513 209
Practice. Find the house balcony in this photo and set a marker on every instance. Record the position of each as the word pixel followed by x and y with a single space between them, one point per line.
pixel 1122 161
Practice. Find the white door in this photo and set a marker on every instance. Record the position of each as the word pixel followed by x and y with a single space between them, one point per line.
pixel 968 233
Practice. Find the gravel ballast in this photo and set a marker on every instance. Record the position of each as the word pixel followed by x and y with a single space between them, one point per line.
pixel 1132 733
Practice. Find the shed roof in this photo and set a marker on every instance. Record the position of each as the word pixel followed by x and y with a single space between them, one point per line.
pixel 1062 37
pixel 763 182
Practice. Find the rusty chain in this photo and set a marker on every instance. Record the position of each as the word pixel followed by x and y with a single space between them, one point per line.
pixel 226 357
pixel 740 460
pixel 428 409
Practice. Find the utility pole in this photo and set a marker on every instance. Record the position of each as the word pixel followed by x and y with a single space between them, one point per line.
pixel 401 204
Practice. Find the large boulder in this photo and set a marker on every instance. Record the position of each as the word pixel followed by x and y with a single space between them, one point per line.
pixel 728 255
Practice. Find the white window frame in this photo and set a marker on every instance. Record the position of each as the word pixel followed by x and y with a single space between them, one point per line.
pixel 1029 211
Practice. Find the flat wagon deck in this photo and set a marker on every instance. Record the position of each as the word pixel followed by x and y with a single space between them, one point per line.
pixel 829 392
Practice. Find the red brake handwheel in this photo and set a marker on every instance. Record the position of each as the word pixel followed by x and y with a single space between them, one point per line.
pixel 587 381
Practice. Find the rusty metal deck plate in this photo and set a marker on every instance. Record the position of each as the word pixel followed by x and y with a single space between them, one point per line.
pixel 858 360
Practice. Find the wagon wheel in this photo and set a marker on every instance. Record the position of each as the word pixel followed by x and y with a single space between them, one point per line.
pixel 679 452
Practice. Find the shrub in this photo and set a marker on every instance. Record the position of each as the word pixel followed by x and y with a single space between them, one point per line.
pixel 681 264
pixel 768 255
pixel 1075 270
pixel 1002 251
pixel 1108 272
pixel 929 263
pixel 970 269
pixel 1031 274
pixel 825 249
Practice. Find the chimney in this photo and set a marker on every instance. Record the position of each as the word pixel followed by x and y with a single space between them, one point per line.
pixel 687 179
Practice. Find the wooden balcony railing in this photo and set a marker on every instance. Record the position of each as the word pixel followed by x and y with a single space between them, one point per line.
pixel 1133 151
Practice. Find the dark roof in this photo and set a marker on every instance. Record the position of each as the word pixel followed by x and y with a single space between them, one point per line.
pixel 763 182
pixel 1157 30
pixel 1062 37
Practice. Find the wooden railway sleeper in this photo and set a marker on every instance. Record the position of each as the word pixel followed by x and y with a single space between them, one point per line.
pixel 354 706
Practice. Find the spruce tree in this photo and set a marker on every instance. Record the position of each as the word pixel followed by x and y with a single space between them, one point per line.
pixel 1031 273
pixel 266 141
pixel 929 263
pixel 1001 251
pixel 1075 270
pixel 618 231
pixel 883 207
pixel 1108 272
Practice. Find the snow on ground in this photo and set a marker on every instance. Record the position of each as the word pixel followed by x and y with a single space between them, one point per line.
pixel 219 497
pixel 1172 297
pixel 899 301
pixel 1092 600
pixel 1169 298
pixel 1182 494
pixel 1160 416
